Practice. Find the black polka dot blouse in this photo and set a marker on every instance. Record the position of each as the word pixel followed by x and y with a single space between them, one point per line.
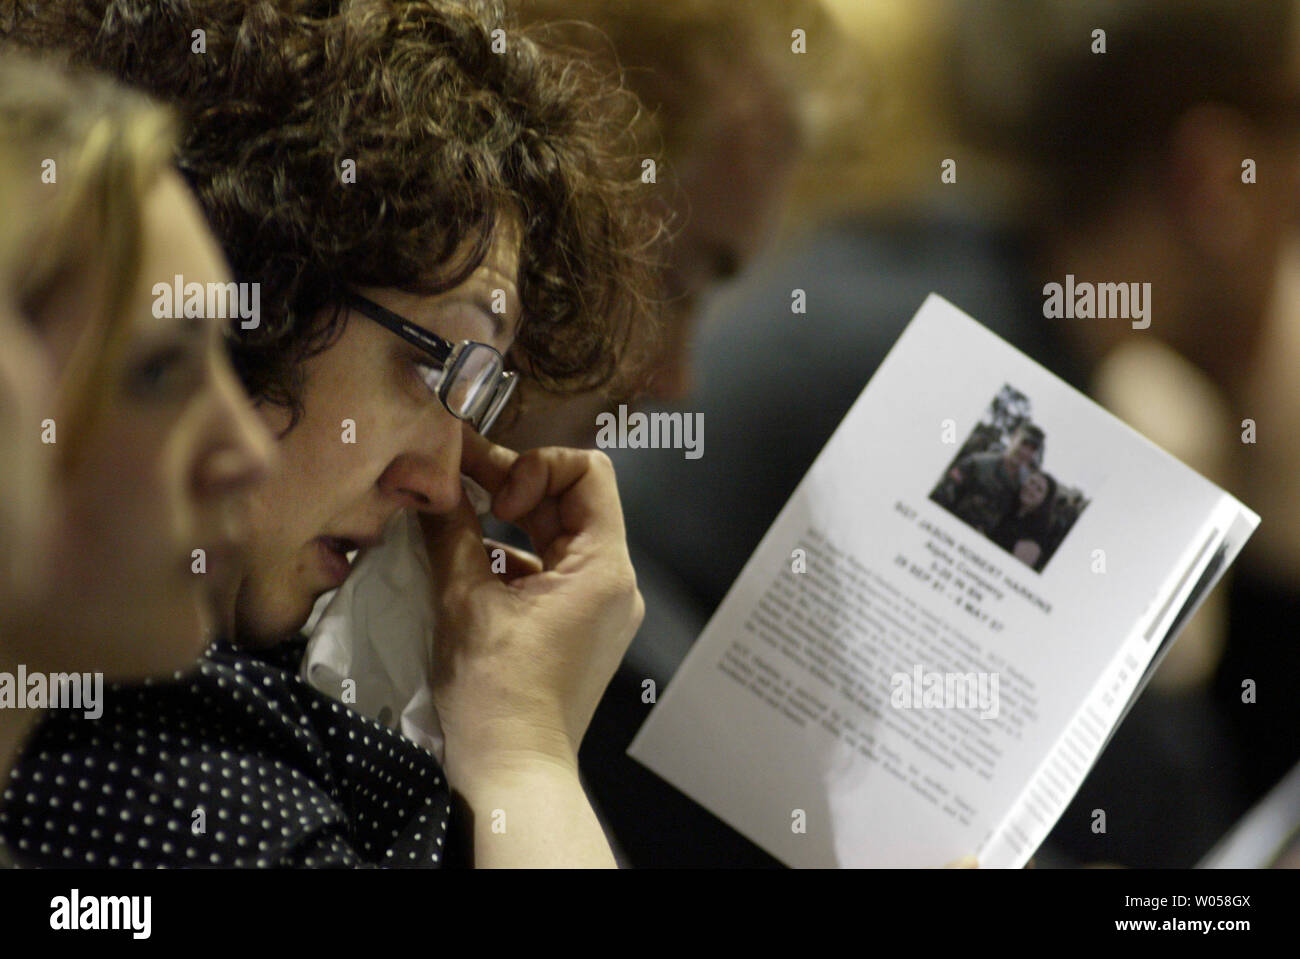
pixel 239 764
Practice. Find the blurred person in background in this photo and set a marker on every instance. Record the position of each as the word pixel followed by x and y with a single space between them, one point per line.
pixel 1119 166
pixel 1143 162
pixel 733 96
pixel 25 391
pixel 26 513
pixel 1266 591
pixel 152 445
pixel 728 107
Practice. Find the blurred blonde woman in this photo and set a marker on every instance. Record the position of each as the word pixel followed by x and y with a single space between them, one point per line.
pixel 149 443
pixel 24 392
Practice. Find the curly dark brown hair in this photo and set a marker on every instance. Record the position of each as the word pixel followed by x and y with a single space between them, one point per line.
pixel 446 133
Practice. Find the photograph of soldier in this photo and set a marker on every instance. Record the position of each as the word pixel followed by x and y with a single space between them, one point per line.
pixel 996 484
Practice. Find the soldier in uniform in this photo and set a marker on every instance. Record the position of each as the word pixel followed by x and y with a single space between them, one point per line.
pixel 983 488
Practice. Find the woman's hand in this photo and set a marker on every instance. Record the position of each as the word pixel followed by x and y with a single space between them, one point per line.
pixel 521 660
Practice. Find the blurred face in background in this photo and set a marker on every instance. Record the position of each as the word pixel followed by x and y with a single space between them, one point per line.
pixel 161 472
pixel 25 397
pixel 26 394
pixel 733 177
pixel 1236 231
pixel 730 172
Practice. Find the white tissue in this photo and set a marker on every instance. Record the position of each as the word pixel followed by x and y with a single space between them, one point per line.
pixel 377 632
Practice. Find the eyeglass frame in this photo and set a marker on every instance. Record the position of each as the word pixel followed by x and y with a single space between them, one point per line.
pixel 445 353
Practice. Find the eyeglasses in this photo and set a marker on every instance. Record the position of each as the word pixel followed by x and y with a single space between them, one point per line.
pixel 470 378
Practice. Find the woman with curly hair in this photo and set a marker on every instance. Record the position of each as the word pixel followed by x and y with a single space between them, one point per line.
pixel 420 190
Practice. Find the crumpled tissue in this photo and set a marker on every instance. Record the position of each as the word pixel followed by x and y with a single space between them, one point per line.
pixel 376 634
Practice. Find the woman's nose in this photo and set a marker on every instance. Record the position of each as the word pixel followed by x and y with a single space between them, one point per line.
pixel 426 475
pixel 245 450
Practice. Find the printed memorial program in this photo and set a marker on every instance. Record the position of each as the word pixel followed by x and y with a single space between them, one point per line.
pixel 929 649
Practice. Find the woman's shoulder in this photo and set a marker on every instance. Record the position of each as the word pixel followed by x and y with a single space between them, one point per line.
pixel 238 763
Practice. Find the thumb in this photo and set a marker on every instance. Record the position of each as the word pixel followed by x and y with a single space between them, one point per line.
pixel 454 542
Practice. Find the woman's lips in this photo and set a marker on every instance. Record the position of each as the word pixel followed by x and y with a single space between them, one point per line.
pixel 334 558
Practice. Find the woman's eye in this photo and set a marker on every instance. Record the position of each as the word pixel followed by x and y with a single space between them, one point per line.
pixel 161 373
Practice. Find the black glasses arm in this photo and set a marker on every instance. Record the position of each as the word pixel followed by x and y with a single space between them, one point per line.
pixel 431 343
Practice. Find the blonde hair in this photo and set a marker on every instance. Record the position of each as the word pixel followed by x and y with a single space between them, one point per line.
pixel 97 148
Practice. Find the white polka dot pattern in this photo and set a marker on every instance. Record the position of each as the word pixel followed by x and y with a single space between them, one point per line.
pixel 282 774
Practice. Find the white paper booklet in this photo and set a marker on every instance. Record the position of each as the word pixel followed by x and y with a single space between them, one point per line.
pixel 938 635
